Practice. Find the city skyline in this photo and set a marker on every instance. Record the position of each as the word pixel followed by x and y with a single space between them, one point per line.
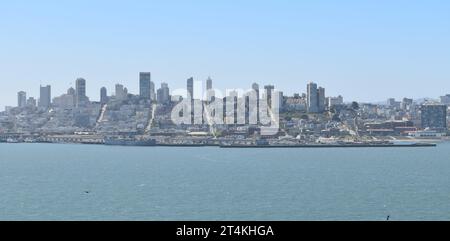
pixel 81 88
pixel 363 51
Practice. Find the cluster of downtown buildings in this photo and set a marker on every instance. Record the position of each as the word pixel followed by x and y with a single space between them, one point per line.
pixel 306 118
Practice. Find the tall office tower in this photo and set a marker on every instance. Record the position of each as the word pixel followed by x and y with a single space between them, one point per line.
pixel 103 95
pixel 190 88
pixel 231 108
pixel 45 96
pixel 31 102
pixel 210 93
pixel 235 97
pixel 312 98
pixel 163 94
pixel 434 116
pixel 280 96
pixel 22 99
pixel 152 91
pixel 81 92
pixel 72 92
pixel 321 99
pixel 269 93
pixel 209 84
pixel 120 92
pixel 255 88
pixel 190 93
pixel 144 85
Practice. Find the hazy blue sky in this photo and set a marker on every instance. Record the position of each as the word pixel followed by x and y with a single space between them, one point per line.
pixel 365 50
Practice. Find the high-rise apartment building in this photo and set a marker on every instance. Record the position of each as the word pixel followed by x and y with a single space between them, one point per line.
pixel 190 88
pixel 120 92
pixel 312 98
pixel 209 84
pixel 152 91
pixel 81 98
pixel 45 98
pixel 22 99
pixel 210 93
pixel 269 93
pixel 144 85
pixel 163 94
pixel 434 116
pixel 103 95
pixel 321 99
pixel 255 88
pixel 315 98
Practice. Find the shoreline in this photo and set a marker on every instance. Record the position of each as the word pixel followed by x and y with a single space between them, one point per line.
pixel 336 146
pixel 243 146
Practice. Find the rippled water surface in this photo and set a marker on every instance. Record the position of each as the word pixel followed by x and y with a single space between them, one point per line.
pixel 83 182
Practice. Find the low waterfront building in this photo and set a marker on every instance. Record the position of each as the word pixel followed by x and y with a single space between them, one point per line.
pixel 427 133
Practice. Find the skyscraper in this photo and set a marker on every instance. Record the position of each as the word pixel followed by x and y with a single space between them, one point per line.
pixel 209 84
pixel 163 94
pixel 210 93
pixel 280 96
pixel 72 92
pixel 315 98
pixel 321 99
pixel 120 92
pixel 190 88
pixel 434 116
pixel 255 88
pixel 152 91
pixel 22 99
pixel 190 95
pixel 312 98
pixel 103 95
pixel 81 98
pixel 45 96
pixel 144 85
pixel 269 93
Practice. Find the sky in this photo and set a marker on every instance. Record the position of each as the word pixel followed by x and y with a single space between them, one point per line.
pixel 364 50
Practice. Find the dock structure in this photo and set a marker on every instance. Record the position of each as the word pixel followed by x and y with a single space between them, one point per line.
pixel 72 139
